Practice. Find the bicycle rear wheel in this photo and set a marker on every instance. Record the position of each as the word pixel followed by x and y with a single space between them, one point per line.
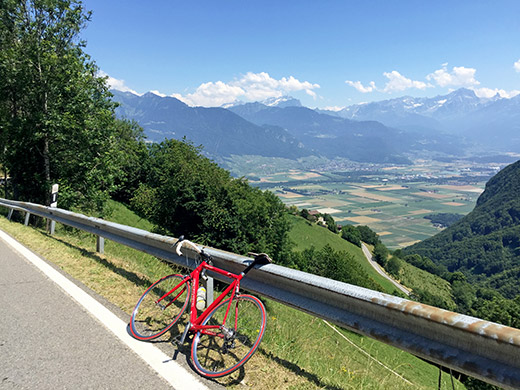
pixel 236 340
pixel 150 318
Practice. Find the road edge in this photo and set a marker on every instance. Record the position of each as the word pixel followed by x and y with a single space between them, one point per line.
pixel 176 375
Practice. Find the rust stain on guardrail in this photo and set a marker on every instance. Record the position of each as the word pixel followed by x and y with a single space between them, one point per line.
pixel 477 326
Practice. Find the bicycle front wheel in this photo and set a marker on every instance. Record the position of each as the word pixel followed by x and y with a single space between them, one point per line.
pixel 236 339
pixel 160 307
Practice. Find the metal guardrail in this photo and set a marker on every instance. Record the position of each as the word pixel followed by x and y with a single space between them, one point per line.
pixel 478 348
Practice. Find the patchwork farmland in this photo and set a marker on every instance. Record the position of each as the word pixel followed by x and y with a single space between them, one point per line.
pixel 392 201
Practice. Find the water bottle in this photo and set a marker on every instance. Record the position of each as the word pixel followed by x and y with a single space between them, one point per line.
pixel 201 298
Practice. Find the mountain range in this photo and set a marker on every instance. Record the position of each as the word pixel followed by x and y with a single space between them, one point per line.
pixel 220 131
pixel 493 123
pixel 332 136
pixel 389 131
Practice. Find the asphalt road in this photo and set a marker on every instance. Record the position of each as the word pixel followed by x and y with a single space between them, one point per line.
pixel 381 272
pixel 49 341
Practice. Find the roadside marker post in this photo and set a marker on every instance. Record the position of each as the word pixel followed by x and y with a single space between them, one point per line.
pixel 54 203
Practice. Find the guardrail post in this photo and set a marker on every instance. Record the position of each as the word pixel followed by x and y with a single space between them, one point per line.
pixel 100 244
pixel 208 284
pixel 10 214
pixel 27 216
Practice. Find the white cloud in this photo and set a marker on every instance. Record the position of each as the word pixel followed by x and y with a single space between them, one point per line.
pixel 117 84
pixel 397 82
pixel 371 87
pixel 261 86
pixel 251 87
pixel 458 77
pixel 489 92
pixel 212 94
pixel 517 65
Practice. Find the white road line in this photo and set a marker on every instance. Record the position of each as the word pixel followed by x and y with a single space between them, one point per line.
pixel 170 370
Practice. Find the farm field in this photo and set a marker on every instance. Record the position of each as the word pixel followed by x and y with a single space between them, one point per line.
pixel 396 213
pixel 391 200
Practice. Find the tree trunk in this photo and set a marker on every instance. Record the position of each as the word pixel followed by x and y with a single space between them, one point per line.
pixel 47 166
pixel 5 183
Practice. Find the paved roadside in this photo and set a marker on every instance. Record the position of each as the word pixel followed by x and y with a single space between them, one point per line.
pixel 48 340
pixel 378 268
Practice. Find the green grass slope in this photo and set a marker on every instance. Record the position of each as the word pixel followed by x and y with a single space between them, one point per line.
pixel 305 234
pixel 418 279
pixel 298 351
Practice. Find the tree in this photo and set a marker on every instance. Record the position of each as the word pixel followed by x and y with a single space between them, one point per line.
pixel 351 234
pixel 337 265
pixel 183 192
pixel 56 117
pixel 368 235
pixel 129 155
pixel 393 266
pixel 381 254
pixel 308 216
pixel 331 224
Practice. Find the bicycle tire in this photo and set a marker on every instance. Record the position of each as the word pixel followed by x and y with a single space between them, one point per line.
pixel 151 320
pixel 214 356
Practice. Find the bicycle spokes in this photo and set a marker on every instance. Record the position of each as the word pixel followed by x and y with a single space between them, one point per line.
pixel 160 307
pixel 237 339
pixel 225 335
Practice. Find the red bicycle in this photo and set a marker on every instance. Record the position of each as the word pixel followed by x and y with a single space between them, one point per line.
pixel 226 334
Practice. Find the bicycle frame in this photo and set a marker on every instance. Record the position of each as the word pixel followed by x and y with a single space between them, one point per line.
pixel 195 323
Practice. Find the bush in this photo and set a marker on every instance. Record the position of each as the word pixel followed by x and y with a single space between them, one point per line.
pixel 393 266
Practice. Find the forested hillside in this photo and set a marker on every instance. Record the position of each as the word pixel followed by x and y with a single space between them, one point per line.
pixel 482 251
pixel 183 192
pixel 58 125
pixel 484 245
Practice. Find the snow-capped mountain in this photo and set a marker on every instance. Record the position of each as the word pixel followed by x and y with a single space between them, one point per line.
pixel 222 132
pixel 385 131
pixel 489 122
pixel 358 140
pixel 454 105
pixel 282 101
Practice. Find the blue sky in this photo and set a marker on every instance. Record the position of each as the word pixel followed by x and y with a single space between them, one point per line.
pixel 326 53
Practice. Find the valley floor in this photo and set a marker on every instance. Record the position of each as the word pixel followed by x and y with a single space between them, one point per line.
pixel 392 200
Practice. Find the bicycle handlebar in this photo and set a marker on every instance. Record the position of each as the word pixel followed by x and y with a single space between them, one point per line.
pixel 182 242
pixel 259 258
